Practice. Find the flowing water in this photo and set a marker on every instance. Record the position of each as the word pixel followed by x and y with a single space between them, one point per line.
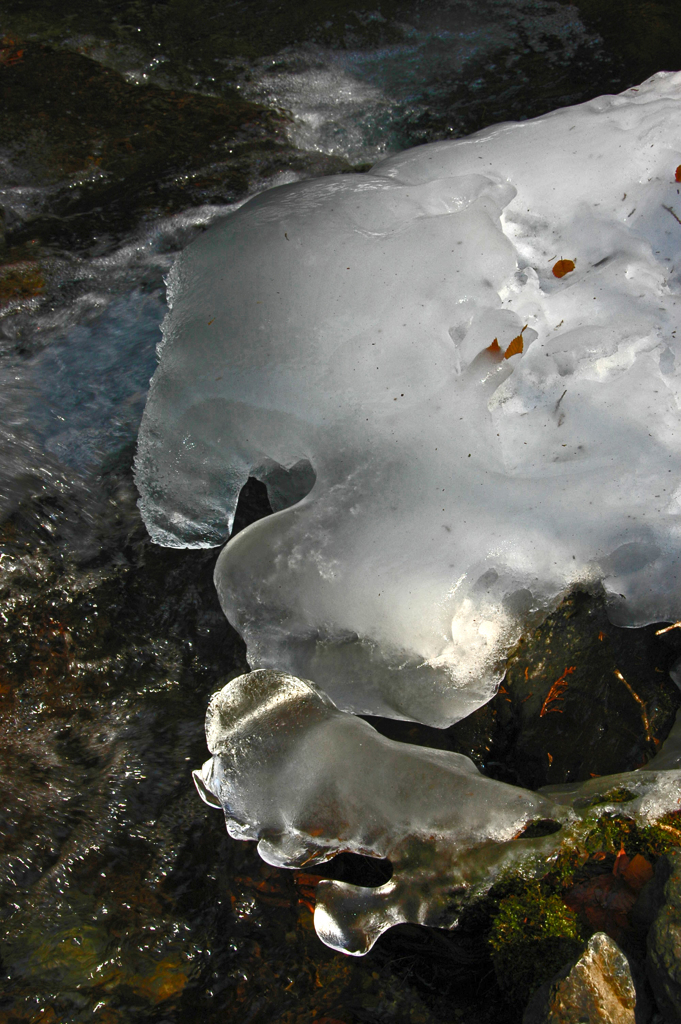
pixel 125 129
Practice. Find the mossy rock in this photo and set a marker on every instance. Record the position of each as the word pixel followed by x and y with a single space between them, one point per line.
pixel 600 881
pixel 533 934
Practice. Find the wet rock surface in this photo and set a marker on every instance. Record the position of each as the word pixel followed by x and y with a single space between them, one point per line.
pixel 597 988
pixel 64 113
pixel 575 660
pixel 108 151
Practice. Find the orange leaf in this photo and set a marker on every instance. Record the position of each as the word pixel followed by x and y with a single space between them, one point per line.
pixel 514 348
pixel 621 861
pixel 494 347
pixel 638 872
pixel 563 267
pixel 516 345
pixel 677 176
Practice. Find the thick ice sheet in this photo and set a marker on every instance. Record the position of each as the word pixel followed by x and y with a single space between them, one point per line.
pixel 345 322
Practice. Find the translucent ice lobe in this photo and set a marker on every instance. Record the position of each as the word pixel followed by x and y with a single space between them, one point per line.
pixel 307 781
pixel 357 325
pixel 291 771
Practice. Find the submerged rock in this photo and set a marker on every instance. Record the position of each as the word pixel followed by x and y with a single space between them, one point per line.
pixel 535 731
pixel 597 989
pixel 104 150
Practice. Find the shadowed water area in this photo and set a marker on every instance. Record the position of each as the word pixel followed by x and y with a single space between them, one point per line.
pixel 125 130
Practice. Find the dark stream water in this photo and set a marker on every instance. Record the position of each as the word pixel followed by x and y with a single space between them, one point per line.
pixel 125 129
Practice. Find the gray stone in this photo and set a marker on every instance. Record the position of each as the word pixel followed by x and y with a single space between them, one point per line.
pixel 597 989
pixel 663 961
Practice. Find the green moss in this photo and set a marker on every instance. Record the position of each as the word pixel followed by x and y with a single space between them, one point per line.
pixel 612 832
pixel 531 933
pixel 570 858
pixel 532 936
pixel 672 820
pixel 607 834
pixel 613 796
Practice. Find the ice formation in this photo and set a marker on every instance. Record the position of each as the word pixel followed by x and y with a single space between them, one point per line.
pixel 290 770
pixel 482 433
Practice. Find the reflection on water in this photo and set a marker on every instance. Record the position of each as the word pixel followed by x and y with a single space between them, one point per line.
pixel 129 128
